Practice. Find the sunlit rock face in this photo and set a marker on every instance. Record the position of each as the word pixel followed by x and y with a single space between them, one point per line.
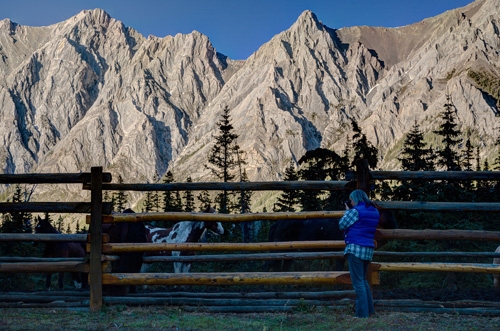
pixel 90 91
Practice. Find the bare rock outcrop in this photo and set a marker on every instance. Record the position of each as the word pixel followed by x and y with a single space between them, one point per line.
pixel 90 91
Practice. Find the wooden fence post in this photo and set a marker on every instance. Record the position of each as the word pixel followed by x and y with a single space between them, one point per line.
pixel 95 274
pixel 363 176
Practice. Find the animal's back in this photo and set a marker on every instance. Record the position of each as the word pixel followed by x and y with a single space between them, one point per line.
pixel 179 233
pixel 156 235
pixel 285 230
pixel 182 232
pixel 321 229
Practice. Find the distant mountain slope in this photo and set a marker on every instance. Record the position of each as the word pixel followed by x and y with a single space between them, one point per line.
pixel 89 91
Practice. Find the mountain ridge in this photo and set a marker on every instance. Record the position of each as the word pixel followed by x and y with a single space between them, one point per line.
pixel 90 91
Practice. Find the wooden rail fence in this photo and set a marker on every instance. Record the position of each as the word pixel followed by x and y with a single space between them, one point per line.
pixel 101 252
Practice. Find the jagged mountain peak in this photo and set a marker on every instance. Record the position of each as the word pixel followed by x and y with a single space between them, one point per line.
pixel 307 19
pixel 7 24
pixel 96 15
pixel 90 91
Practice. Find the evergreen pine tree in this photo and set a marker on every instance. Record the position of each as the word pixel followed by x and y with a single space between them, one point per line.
pixel 189 198
pixel 345 164
pixel 244 201
pixel 468 155
pixel 105 196
pixel 245 197
pixel 59 224
pixel 120 198
pixel 247 228
pixel 204 199
pixel 168 199
pixel 177 201
pixel 362 148
pixel 496 165
pixel 414 156
pixel 148 203
pixel 448 157
pixel 289 199
pixel 155 196
pixel 18 222
pixel 486 166
pixel 478 159
pixel 223 157
pixel 319 164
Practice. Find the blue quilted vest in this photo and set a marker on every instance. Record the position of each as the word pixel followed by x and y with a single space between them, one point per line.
pixel 363 231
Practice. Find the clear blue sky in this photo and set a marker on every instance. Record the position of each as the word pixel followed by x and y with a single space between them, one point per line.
pixel 236 28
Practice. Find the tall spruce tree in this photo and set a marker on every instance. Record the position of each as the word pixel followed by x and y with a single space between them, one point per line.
pixel 168 198
pixel 414 156
pixel 468 156
pixel 121 198
pixel 289 199
pixel 189 198
pixel 345 164
pixel 19 222
pixel 243 204
pixel 362 148
pixel 148 203
pixel 177 201
pixel 224 158
pixel 448 156
pixel 319 164
pixel 204 199
pixel 496 165
pixel 155 196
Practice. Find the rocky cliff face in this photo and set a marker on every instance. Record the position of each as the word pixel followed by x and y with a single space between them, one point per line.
pixel 90 91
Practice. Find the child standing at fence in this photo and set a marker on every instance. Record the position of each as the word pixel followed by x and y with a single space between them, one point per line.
pixel 359 224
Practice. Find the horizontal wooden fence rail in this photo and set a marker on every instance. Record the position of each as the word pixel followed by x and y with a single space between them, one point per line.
pixel 41 237
pixel 438 234
pixel 399 205
pixel 302 256
pixel 436 267
pixel 249 278
pixel 114 248
pixel 243 257
pixel 474 255
pixel 44 267
pixel 208 217
pixel 51 178
pixel 435 175
pixel 440 206
pixel 52 207
pixel 232 186
pixel 39 259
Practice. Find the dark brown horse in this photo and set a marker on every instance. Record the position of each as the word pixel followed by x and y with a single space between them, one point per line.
pixel 63 250
pixel 314 230
pixel 131 262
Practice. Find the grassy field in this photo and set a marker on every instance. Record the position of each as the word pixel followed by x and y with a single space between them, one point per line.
pixel 175 319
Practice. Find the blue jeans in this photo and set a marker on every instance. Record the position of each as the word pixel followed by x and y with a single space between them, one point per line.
pixel 364 301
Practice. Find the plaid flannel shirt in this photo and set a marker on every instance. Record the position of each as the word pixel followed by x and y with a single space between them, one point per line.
pixel 364 253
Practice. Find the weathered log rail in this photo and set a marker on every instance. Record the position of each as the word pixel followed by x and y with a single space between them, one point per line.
pixel 248 302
